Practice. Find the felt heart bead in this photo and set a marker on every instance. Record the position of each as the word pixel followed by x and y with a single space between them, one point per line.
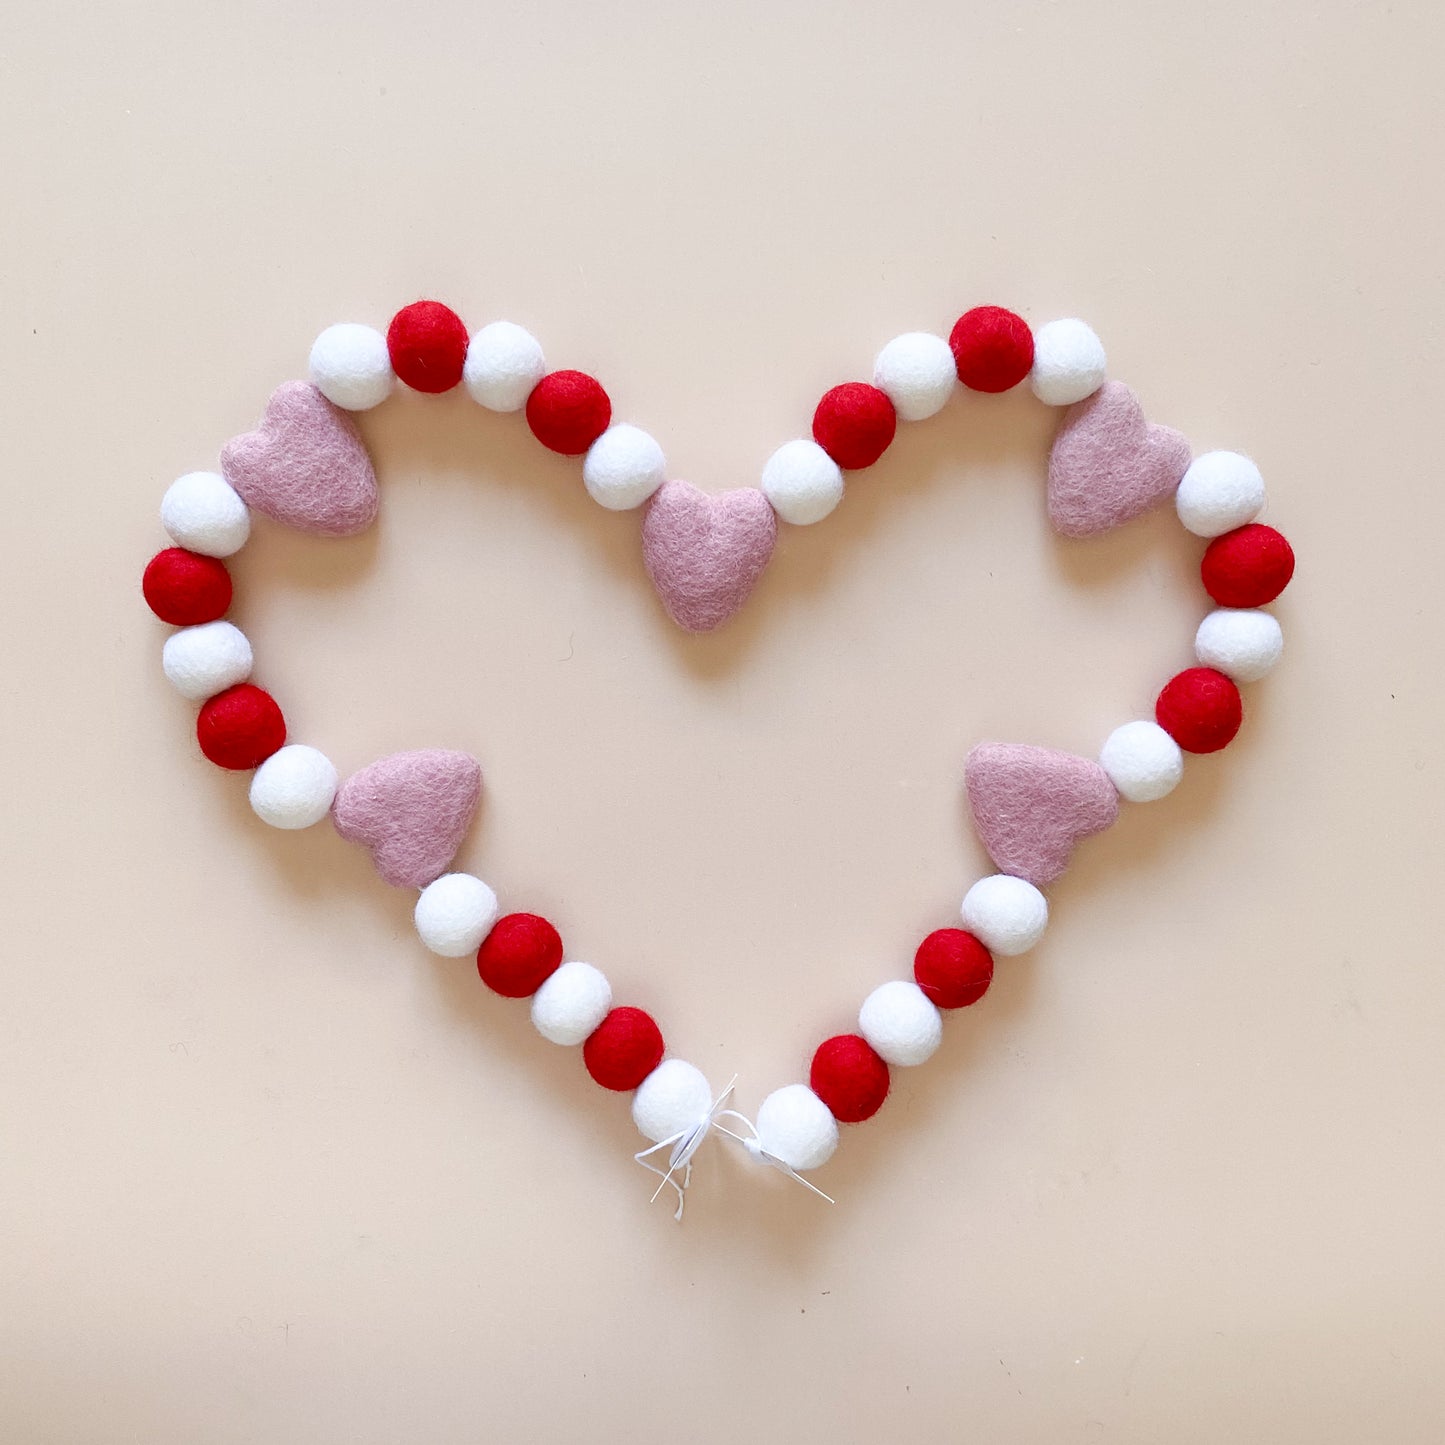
pixel 412 811
pixel 1031 805
pixel 305 465
pixel 705 554
pixel 1108 464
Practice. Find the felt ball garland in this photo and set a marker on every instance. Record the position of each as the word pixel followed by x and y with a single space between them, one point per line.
pixel 307 467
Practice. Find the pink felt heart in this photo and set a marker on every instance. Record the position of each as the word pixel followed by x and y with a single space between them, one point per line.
pixel 412 810
pixel 1108 464
pixel 705 554
pixel 305 465
pixel 1031 805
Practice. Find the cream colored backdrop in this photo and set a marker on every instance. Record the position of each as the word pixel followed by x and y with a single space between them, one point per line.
pixel 270 1172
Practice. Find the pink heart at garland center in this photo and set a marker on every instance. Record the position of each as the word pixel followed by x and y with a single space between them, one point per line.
pixel 705 554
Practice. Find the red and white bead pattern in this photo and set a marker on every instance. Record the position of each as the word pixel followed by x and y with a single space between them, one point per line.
pixel 520 955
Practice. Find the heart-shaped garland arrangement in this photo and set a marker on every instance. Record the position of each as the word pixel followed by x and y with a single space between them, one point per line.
pixel 306 467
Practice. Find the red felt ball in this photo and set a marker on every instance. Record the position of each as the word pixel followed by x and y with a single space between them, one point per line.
pixel 1247 567
pixel 993 349
pixel 519 955
pixel 854 424
pixel 953 968
pixel 568 411
pixel 849 1078
pixel 623 1049
pixel 184 588
pixel 241 727
pixel 428 346
pixel 1200 709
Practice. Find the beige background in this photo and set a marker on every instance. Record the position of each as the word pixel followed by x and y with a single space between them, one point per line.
pixel 268 1171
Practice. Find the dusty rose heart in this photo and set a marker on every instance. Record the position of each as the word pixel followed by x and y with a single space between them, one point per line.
pixel 305 465
pixel 705 554
pixel 1108 464
pixel 412 811
pixel 1032 805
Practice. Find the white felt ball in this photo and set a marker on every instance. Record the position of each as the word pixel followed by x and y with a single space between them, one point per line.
pixel 571 1003
pixel 917 372
pixel 294 787
pixel 1006 914
pixel 454 914
pixel 201 661
pixel 802 482
pixel 796 1126
pixel 623 468
pixel 1242 643
pixel 1069 362
pixel 504 363
pixel 901 1023
pixel 672 1099
pixel 351 366
pixel 1143 762
pixel 1219 492
pixel 202 514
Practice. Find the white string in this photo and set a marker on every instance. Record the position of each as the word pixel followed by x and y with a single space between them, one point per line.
pixel 686 1142
pixel 684 1145
pixel 755 1149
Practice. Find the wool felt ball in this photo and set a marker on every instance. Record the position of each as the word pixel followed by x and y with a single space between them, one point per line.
pixel 802 482
pixel 202 513
pixel 519 955
pixel 1069 362
pixel 1006 914
pixel 240 728
pixel 571 1003
pixel 427 343
pixel 1200 709
pixel 1219 492
pixel 454 913
pixel 350 365
pixel 1143 762
pixel 917 373
pixel 411 810
pixel 184 588
pixel 796 1126
pixel 623 1049
pixel 201 661
pixel 568 411
pixel 1242 643
pixel 901 1024
pixel 952 968
pixel 294 787
pixel 305 465
pixel 854 423
pixel 673 1099
pixel 1247 567
pixel 849 1077
pixel 623 468
pixel 504 362
pixel 993 349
